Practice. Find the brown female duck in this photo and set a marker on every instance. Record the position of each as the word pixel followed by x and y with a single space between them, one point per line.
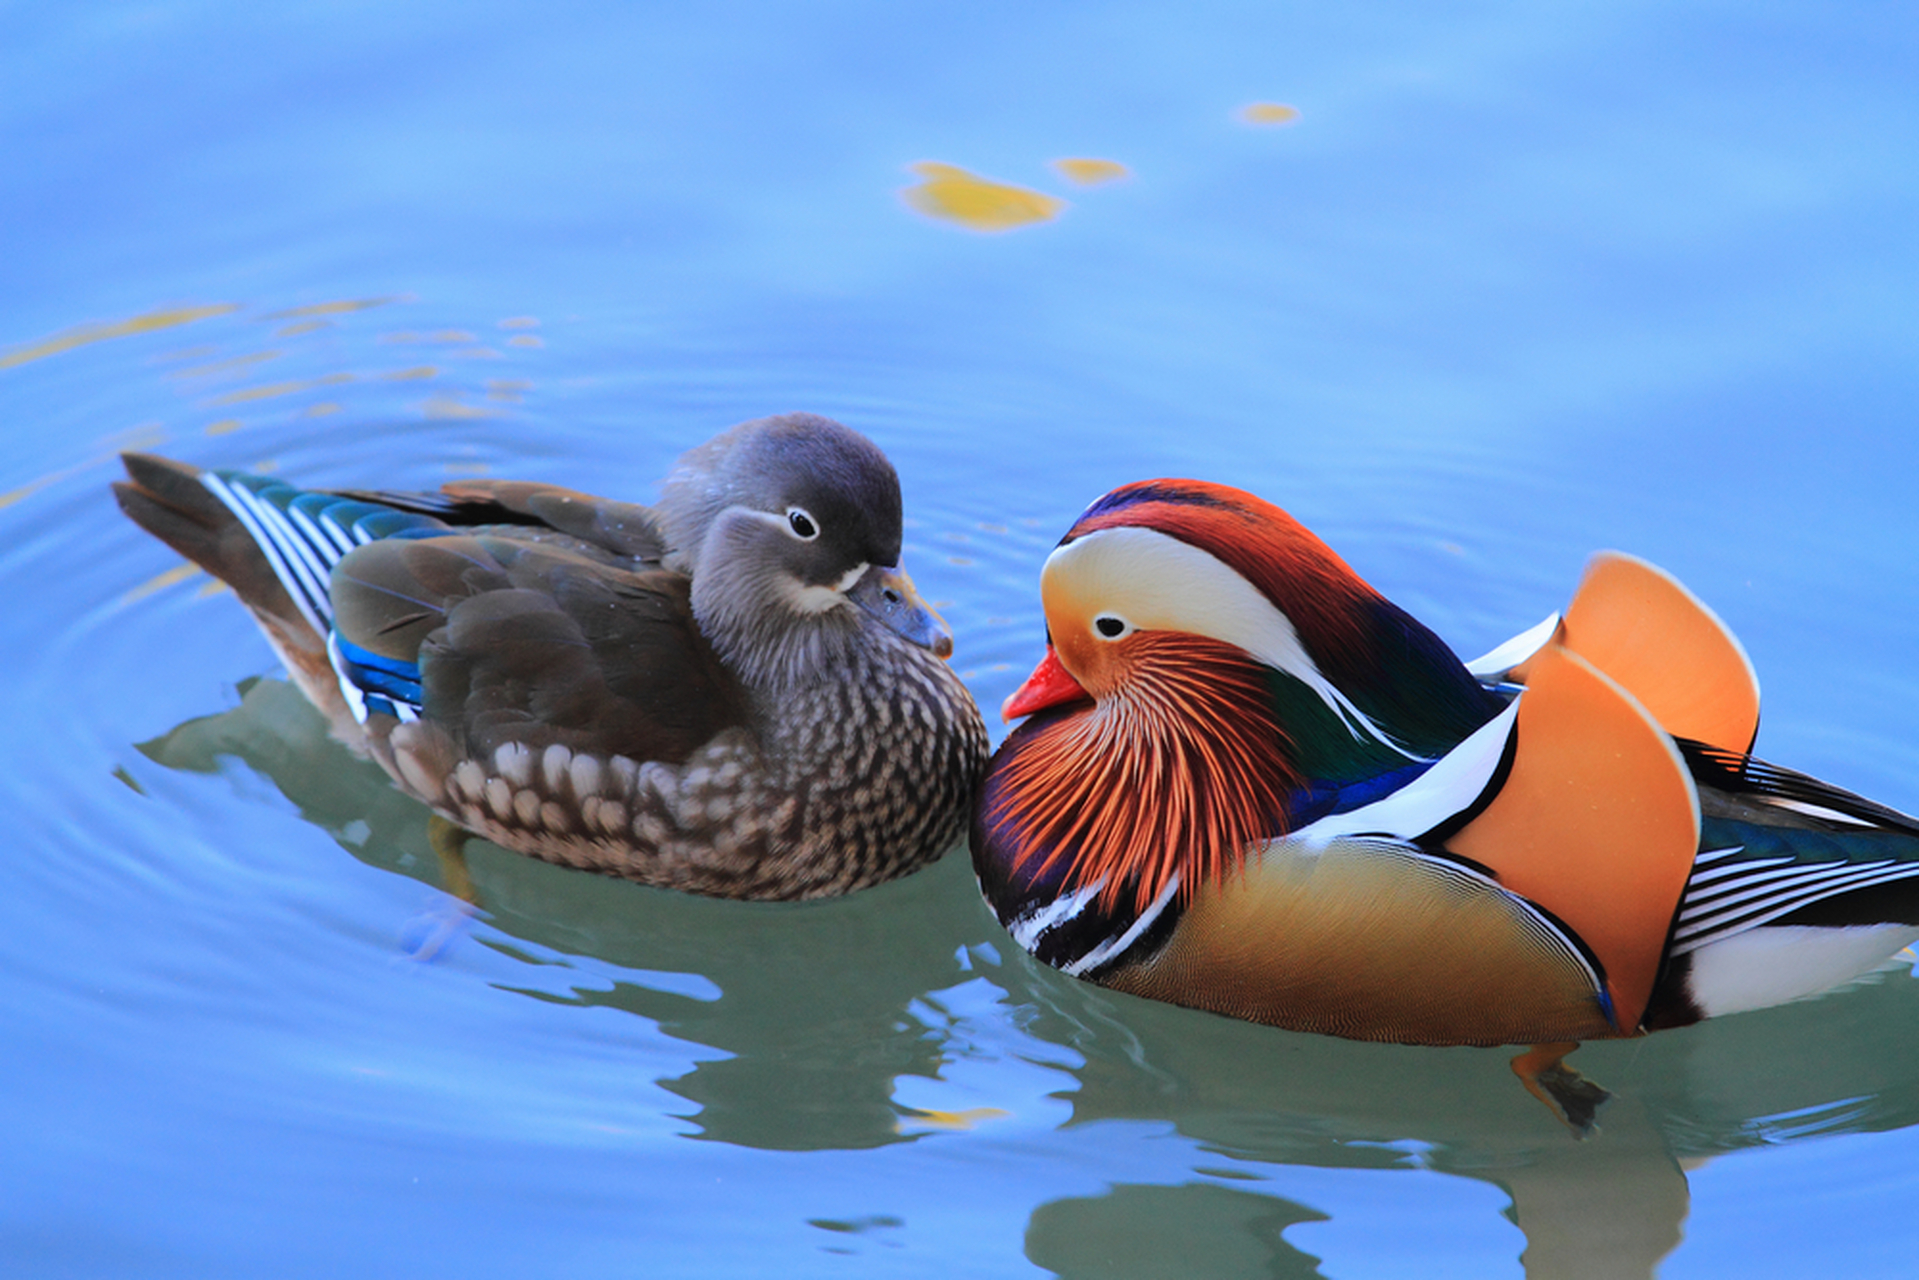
pixel 735 692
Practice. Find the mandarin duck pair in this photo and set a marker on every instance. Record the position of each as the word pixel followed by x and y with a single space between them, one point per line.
pixel 1246 782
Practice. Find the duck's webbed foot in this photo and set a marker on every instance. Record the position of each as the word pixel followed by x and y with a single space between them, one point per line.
pixel 431 934
pixel 1567 1094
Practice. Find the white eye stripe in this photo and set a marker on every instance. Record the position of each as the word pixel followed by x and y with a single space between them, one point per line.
pixel 784 522
pixel 1163 583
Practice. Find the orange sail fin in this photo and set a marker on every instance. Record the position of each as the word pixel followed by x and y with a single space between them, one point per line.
pixel 1636 623
pixel 1597 822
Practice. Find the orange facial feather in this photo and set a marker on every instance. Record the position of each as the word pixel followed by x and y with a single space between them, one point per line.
pixel 1174 772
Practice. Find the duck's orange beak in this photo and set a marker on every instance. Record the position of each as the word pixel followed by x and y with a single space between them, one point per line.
pixel 1048 686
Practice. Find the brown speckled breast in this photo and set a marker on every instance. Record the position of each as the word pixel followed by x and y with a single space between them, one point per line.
pixel 861 777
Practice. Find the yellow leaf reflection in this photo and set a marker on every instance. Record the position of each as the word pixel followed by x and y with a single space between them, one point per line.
pixel 160 582
pixel 1268 113
pixel 335 308
pixel 231 364
pixel 87 333
pixel 447 407
pixel 32 487
pixel 951 194
pixel 955 1120
pixel 274 390
pixel 1091 173
pixel 436 336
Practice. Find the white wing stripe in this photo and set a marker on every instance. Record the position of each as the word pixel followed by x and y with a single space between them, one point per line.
pixel 1732 870
pixel 1729 888
pixel 1717 855
pixel 289 528
pixel 311 607
pixel 1697 930
pixel 1774 882
pixel 286 537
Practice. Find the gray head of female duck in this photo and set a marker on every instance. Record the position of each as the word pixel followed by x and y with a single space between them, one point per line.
pixel 790 530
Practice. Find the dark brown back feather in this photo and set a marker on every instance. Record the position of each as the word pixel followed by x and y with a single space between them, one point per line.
pixel 536 643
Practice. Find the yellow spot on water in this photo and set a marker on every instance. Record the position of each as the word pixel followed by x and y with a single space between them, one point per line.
pixel 507 390
pixel 436 336
pixel 225 426
pixel 160 582
pixel 299 327
pixel 417 373
pixel 322 409
pixel 520 322
pixel 1091 173
pixel 143 435
pixel 334 308
pixel 231 364
pixel 955 1120
pixel 86 333
pixel 210 588
pixel 1268 113
pixel 32 487
pixel 274 390
pixel 525 340
pixel 448 407
pixel 951 194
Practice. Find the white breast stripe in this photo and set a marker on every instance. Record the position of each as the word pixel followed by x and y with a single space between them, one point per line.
pixel 1448 788
pixel 1117 946
pixel 1027 929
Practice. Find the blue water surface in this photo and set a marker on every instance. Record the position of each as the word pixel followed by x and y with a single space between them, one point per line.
pixel 1516 282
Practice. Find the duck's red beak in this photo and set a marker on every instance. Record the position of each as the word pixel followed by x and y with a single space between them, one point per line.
pixel 1048 686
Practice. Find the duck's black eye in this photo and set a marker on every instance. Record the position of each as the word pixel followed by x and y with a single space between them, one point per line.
pixel 1109 626
pixel 802 524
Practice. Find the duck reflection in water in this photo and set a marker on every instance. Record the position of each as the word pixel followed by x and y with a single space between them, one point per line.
pixel 823 1010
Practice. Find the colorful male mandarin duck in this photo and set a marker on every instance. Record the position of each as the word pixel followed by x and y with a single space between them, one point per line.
pixel 736 692
pixel 1251 784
